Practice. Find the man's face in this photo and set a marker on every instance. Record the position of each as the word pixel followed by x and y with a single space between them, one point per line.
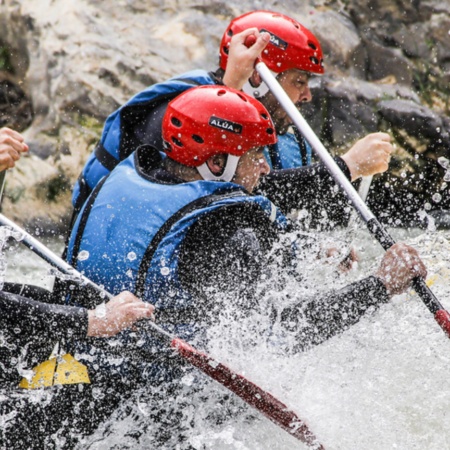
pixel 251 167
pixel 295 84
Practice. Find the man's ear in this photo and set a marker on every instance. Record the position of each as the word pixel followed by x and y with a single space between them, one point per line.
pixel 216 163
pixel 255 80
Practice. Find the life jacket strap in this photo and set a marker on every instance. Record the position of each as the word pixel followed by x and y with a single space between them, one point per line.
pixel 83 220
pixel 105 158
pixel 199 203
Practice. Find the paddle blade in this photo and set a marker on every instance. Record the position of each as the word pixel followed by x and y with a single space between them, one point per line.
pixel 43 375
pixel 264 402
pixel 70 371
pixel 63 369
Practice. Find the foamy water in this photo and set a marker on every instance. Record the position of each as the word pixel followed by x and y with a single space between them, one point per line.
pixel 383 384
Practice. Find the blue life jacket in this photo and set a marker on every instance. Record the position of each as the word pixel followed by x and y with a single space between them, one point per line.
pixel 291 151
pixel 116 144
pixel 129 239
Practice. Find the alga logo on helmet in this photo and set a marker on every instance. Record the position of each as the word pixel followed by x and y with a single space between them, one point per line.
pixel 225 124
pixel 275 40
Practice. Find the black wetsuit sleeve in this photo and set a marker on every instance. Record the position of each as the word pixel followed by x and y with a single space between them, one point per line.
pixel 315 320
pixel 221 263
pixel 311 188
pixel 36 318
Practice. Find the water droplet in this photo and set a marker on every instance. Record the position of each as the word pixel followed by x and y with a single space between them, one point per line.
pixel 100 311
pixel 165 271
pixel 427 206
pixel 129 273
pixel 443 162
pixel 403 174
pixel 224 136
pixel 447 176
pixel 437 197
pixel 83 255
pixel 131 256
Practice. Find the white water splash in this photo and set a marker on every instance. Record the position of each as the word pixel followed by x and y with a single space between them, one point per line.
pixel 383 384
pixel 5 233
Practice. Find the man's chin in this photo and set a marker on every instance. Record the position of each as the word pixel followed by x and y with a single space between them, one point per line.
pixel 283 130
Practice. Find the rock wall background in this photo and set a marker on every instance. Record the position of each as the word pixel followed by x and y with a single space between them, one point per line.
pixel 64 66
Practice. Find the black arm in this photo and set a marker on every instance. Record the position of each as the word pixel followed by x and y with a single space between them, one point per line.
pixel 35 319
pixel 313 321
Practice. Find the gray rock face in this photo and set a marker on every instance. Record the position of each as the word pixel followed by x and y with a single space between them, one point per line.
pixel 68 65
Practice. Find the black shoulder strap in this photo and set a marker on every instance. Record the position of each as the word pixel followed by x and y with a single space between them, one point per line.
pixel 274 156
pixel 159 236
pixel 302 146
pixel 83 221
pixel 105 158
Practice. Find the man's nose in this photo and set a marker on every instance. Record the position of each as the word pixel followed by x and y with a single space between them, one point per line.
pixel 305 96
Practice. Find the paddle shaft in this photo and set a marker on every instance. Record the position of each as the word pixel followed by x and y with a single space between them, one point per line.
pixel 252 394
pixel 363 190
pixel 374 226
pixel 2 185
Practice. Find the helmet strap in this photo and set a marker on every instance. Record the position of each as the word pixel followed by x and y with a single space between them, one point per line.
pixel 226 175
pixel 259 91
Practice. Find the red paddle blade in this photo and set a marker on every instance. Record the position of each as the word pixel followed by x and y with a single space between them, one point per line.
pixel 264 402
pixel 443 319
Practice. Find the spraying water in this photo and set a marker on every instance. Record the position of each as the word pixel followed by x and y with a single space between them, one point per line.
pixel 381 384
pixel 5 234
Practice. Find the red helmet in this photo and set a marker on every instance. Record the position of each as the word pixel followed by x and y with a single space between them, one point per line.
pixel 209 120
pixel 291 46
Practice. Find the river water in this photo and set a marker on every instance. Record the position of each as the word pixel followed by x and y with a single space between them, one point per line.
pixel 382 384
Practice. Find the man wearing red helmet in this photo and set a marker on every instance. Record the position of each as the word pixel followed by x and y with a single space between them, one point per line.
pixel 292 51
pixel 293 54
pixel 186 233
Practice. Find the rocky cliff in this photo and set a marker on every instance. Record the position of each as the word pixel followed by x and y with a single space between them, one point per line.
pixel 64 66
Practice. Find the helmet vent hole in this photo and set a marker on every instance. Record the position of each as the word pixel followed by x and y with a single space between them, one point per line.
pixel 177 142
pixel 226 50
pixel 176 122
pixel 314 60
pixel 265 116
pixel 230 32
pixel 311 45
pixel 221 92
pixel 198 139
pixel 242 97
pixel 270 131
